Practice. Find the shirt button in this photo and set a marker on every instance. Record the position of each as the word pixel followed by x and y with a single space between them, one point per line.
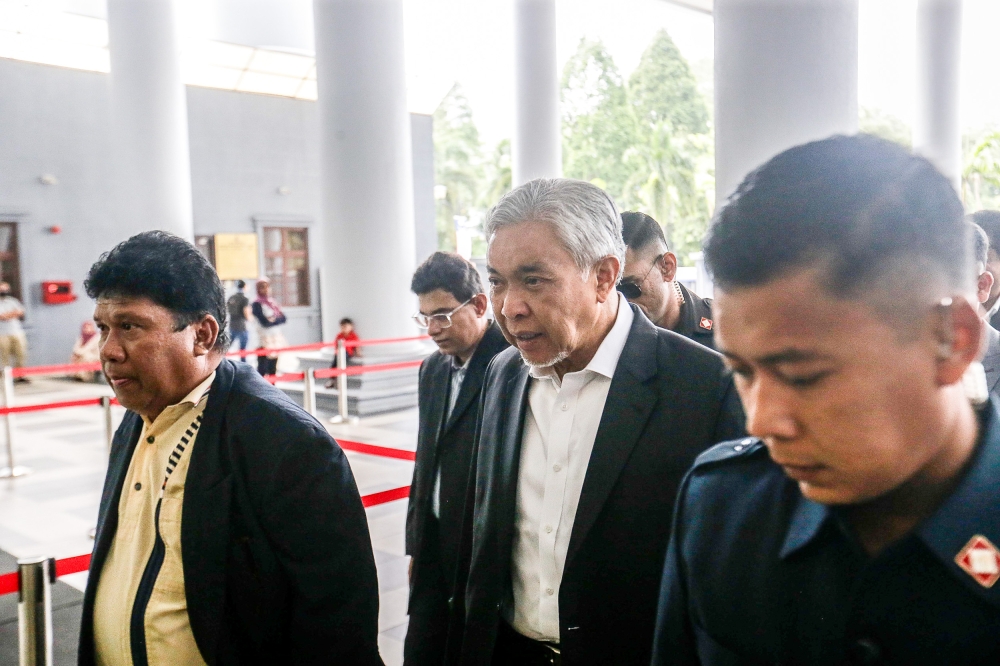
pixel 138 486
pixel 549 591
pixel 150 439
pixel 548 529
pixel 564 406
pixel 557 468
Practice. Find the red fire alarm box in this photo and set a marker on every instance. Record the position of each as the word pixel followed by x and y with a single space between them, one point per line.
pixel 57 291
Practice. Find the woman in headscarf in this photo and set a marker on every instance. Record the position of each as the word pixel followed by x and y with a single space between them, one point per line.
pixel 87 350
pixel 267 313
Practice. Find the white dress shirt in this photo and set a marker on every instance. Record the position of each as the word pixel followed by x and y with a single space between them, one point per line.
pixel 559 432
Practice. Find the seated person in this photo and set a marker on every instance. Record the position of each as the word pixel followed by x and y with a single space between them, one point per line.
pixel 87 349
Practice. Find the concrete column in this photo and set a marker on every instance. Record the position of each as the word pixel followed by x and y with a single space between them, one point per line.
pixel 366 167
pixel 786 72
pixel 149 109
pixel 424 213
pixel 937 134
pixel 536 150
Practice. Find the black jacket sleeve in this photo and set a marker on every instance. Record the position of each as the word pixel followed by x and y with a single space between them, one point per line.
pixel 258 313
pixel 673 643
pixel 314 519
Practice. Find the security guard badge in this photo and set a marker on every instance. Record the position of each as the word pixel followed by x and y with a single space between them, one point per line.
pixel 706 323
pixel 981 560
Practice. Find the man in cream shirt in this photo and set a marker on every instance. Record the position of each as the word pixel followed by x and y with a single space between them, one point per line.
pixel 230 529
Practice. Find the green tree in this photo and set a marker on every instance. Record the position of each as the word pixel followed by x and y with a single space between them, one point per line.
pixel 597 124
pixel 498 175
pixel 672 141
pixel 981 170
pixel 883 124
pixel 457 163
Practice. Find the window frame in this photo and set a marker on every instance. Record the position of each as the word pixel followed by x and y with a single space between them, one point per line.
pixel 280 284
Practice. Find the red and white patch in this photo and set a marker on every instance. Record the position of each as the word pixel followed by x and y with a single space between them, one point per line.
pixel 706 323
pixel 981 560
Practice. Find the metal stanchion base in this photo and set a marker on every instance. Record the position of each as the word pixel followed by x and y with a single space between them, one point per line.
pixel 14 472
pixel 338 420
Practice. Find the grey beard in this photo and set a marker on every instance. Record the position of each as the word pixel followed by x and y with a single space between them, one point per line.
pixel 558 358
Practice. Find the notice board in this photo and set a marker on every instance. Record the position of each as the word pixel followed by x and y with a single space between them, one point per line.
pixel 236 256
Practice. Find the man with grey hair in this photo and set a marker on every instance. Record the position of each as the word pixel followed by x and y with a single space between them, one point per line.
pixel 984 286
pixel 586 427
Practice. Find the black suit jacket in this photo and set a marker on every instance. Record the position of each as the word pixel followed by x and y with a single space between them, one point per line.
pixel 448 444
pixel 278 563
pixel 670 399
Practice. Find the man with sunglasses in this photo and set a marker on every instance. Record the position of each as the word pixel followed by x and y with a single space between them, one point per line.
pixel 649 282
pixel 453 311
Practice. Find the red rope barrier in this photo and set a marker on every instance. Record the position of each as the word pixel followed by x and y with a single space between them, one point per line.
pixel 18 409
pixel 362 369
pixel 381 451
pixel 71 368
pixel 70 565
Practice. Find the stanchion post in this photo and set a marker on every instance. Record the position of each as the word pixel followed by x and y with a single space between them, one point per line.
pixel 109 423
pixel 34 610
pixel 11 470
pixel 309 391
pixel 342 380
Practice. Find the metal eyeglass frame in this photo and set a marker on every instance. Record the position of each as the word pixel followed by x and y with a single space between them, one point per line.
pixel 442 318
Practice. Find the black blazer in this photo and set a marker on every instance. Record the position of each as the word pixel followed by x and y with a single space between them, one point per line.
pixel 451 444
pixel 278 563
pixel 669 400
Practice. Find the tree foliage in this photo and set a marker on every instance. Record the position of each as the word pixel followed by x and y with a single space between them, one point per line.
pixel 646 141
pixel 457 163
pixel 981 170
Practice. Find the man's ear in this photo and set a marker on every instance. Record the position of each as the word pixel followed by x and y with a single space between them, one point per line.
pixel 479 302
pixel 206 332
pixel 606 271
pixel 668 266
pixel 984 285
pixel 959 332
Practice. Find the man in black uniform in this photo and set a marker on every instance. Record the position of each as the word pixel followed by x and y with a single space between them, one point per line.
pixel 989 221
pixel 860 524
pixel 648 281
pixel 453 310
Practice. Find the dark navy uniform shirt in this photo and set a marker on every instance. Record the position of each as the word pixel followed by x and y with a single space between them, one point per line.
pixel 757 574
pixel 695 320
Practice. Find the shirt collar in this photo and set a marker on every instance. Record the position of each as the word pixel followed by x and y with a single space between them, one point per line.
pixel 993 310
pixel 606 359
pixel 973 508
pixel 192 398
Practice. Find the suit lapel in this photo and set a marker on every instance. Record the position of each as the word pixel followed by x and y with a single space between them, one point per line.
pixel 509 454
pixel 628 406
pixel 205 518
pixel 473 381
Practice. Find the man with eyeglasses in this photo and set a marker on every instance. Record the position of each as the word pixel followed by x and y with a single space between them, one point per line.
pixel 453 311
pixel 650 282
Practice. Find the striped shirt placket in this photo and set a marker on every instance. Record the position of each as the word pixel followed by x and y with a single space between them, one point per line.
pixel 137 633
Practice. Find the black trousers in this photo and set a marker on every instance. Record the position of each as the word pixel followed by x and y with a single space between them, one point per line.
pixel 427 633
pixel 267 366
pixel 513 649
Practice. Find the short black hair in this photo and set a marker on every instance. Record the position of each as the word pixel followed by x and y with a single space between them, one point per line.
pixel 450 272
pixel 980 244
pixel 240 284
pixel 989 221
pixel 639 230
pixel 857 206
pixel 167 270
pixel 347 320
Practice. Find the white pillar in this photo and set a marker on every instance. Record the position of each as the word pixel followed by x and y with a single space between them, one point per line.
pixel 937 134
pixel 150 124
pixel 786 72
pixel 366 166
pixel 536 151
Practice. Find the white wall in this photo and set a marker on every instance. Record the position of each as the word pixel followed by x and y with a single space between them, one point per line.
pixel 243 148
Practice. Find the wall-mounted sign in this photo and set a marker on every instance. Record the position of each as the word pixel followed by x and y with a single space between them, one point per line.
pixel 236 256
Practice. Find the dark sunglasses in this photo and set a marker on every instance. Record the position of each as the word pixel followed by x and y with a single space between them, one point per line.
pixel 630 288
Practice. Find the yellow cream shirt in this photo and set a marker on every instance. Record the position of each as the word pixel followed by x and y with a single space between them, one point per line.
pixel 158 469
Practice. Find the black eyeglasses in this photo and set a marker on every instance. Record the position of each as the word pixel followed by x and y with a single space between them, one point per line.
pixel 630 288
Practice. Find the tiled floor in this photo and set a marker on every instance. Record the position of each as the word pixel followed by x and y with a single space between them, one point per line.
pixel 52 511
